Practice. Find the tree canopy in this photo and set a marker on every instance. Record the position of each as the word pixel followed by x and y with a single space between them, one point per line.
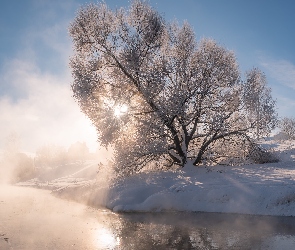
pixel 156 93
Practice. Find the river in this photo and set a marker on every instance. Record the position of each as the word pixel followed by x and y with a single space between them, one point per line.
pixel 34 219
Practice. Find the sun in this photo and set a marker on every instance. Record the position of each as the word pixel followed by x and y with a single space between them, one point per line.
pixel 120 110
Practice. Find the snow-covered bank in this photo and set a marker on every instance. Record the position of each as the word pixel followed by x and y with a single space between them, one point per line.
pixel 256 189
pixel 265 189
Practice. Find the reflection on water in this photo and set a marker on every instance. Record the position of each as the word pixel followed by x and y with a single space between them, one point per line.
pixel 195 231
pixel 104 238
pixel 32 219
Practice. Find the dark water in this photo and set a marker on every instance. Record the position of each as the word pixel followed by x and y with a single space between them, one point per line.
pixel 200 231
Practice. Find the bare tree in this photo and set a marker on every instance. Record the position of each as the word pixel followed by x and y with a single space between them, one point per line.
pixel 151 90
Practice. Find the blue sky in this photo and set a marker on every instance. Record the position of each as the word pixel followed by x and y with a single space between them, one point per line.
pixel 35 96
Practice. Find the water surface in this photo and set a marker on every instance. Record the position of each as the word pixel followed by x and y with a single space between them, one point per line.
pixel 34 219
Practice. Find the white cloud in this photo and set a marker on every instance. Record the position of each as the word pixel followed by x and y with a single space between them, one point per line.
pixel 281 70
pixel 44 112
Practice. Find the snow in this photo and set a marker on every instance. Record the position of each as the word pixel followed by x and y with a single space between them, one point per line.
pixel 255 189
pixel 260 189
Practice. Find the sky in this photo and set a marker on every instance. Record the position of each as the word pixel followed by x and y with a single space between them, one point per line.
pixel 36 101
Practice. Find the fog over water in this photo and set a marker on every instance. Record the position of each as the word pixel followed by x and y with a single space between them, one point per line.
pixel 34 219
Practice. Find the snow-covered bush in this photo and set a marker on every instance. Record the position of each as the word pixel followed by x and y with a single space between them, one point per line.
pixel 257 154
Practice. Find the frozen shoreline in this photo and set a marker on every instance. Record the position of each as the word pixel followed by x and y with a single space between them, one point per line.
pixel 257 189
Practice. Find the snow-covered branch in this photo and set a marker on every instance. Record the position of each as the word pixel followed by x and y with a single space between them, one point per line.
pixel 182 95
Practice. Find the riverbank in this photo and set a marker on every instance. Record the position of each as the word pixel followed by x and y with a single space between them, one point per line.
pixel 253 189
pixel 257 189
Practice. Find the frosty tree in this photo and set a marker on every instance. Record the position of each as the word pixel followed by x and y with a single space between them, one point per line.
pixel 259 103
pixel 287 126
pixel 154 92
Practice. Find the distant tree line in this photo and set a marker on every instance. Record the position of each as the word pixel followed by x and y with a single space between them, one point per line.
pixel 17 166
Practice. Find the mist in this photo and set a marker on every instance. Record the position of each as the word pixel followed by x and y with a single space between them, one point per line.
pixel 38 110
pixel 35 88
pixel 37 220
pixel 44 111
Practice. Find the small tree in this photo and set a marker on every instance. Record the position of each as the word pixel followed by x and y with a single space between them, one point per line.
pixel 152 91
pixel 259 103
pixel 287 126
